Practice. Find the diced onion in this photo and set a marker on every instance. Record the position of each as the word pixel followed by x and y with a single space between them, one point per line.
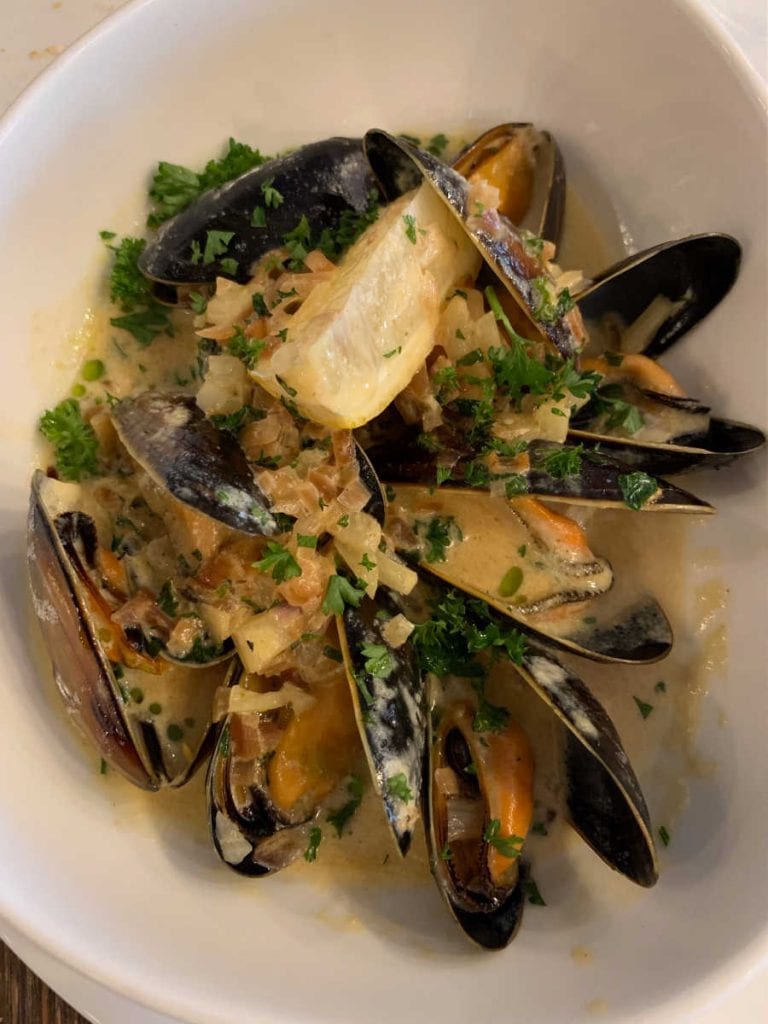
pixel 395 574
pixel 236 700
pixel 397 630
pixel 266 635
pixel 464 818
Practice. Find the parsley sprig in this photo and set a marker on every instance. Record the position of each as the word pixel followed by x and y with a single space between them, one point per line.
pixel 75 445
pixel 174 187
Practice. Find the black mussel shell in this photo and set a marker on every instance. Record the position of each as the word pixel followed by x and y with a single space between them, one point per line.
pixel 322 181
pixel 61 549
pixel 605 803
pixel 204 467
pixel 693 273
pixel 596 482
pixel 723 443
pixel 390 710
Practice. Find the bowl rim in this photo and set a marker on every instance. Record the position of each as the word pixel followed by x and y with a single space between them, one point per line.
pixel 712 990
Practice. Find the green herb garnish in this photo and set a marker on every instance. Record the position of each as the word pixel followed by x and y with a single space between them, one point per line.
pixel 637 489
pixel 508 846
pixel 664 835
pixel 379 662
pixel 75 445
pixel 397 785
pixel 437 534
pixel 279 561
pixel 340 818
pixel 339 593
pixel 315 836
pixel 410 228
pixel 644 708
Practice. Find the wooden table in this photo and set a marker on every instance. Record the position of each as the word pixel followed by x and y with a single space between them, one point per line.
pixel 24 999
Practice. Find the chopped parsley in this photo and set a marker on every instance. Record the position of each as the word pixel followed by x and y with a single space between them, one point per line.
pixel 475 356
pixel 397 785
pixel 127 285
pixel 259 304
pixel 446 853
pixel 562 461
pixel 340 819
pixel 393 352
pixel 334 243
pixel 234 422
pixel 248 350
pixel 298 243
pixel 660 687
pixel 618 412
pixel 367 563
pixel 410 228
pixel 547 309
pixel 343 520
pixel 258 217
pixel 216 244
pixel 489 717
pixel 458 629
pixel 75 445
pixel 272 198
pixel 339 593
pixel 516 484
pixel 167 600
pixel 539 828
pixel 664 835
pixel 379 661
pixel 508 846
pixel 315 837
pixel 145 324
pixel 198 302
pixel 643 707
pixel 279 561
pixel 436 534
pixel 437 144
pixel 174 187
pixel 306 540
pixel 637 489
pixel 531 890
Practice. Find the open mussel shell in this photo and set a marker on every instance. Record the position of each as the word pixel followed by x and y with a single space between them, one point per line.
pixel 488 911
pixel 723 442
pixel 528 168
pixel 488 552
pixel 604 800
pixel 596 483
pixel 61 549
pixel 249 834
pixel 400 167
pixel 649 300
pixel 321 181
pixel 390 708
pixel 204 467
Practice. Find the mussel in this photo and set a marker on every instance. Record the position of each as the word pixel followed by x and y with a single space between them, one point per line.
pixel 390 705
pixel 148 719
pixel 324 182
pixel 479 796
pixel 196 463
pixel 281 753
pixel 595 482
pixel 533 565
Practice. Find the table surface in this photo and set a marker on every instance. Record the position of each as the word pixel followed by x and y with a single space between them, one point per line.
pixel 34 33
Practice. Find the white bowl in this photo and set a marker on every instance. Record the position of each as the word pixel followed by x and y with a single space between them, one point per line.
pixel 653 111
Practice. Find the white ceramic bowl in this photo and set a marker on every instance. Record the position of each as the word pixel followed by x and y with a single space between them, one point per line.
pixel 647 97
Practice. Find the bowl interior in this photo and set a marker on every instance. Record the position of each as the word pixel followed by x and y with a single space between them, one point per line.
pixel 661 131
